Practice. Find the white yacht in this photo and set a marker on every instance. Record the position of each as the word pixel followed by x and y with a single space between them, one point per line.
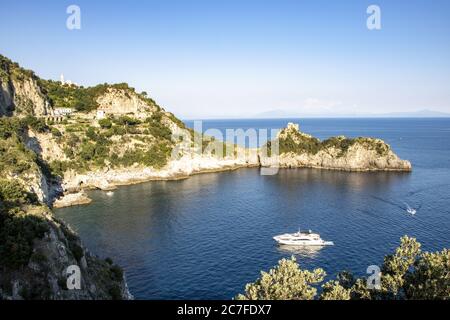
pixel 302 238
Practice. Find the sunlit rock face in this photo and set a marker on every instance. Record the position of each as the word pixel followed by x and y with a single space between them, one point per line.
pixel 298 150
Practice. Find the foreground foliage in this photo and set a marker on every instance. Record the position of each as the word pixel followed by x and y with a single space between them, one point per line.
pixel 406 274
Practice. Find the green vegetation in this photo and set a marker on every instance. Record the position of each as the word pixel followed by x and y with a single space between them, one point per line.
pixel 55 132
pixel 87 148
pixel 37 124
pixel 12 69
pixel 303 144
pixel 18 230
pixel 105 123
pixel 156 128
pixel 126 121
pixel 285 282
pixel 81 98
pixel 406 274
pixel 15 158
pixel 65 96
pixel 299 143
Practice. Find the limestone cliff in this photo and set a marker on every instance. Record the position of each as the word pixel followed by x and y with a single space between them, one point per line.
pixel 20 92
pixel 121 102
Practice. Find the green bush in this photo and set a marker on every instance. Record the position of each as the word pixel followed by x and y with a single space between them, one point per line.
pixel 56 132
pixel 126 121
pixel 105 123
pixel 117 272
pixel 36 124
pixel 12 193
pixel 407 274
pixel 76 250
pixel 115 292
pixel 87 151
pixel 17 234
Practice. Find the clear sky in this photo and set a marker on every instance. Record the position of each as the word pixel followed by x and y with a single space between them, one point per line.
pixel 230 58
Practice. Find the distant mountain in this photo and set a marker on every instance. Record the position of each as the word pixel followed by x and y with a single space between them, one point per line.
pixel 418 114
pixel 279 113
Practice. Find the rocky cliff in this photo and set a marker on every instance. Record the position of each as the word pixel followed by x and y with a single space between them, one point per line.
pixel 121 102
pixel 37 251
pixel 20 92
pixel 43 270
pixel 297 150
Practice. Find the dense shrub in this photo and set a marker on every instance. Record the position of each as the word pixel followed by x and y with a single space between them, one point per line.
pixel 37 124
pixel 76 250
pixel 56 133
pixel 407 274
pixel 126 121
pixel 17 229
pixel 117 272
pixel 298 143
pixel 105 123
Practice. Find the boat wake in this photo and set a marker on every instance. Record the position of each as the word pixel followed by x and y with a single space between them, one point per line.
pixel 410 210
pixel 405 206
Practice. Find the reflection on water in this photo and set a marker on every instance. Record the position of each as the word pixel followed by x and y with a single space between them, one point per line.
pixel 300 251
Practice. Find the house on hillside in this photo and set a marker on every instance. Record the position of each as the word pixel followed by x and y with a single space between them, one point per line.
pixel 62 112
pixel 100 114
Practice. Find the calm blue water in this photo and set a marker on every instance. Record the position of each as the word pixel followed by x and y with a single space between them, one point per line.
pixel 207 236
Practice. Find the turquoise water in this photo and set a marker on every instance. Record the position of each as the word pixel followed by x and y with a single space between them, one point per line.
pixel 207 236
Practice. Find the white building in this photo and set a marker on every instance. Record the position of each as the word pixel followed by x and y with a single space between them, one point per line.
pixel 68 82
pixel 62 112
pixel 100 114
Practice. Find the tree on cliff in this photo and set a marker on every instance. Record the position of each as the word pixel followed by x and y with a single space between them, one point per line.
pixel 406 274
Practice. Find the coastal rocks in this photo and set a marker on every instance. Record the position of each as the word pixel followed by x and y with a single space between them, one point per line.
pixel 187 165
pixel 300 150
pixel 356 160
pixel 71 199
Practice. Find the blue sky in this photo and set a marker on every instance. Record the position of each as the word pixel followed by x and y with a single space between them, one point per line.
pixel 203 59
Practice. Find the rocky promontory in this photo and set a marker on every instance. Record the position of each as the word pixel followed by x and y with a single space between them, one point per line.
pixel 301 150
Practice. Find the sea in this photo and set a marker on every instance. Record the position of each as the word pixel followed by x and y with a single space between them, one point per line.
pixel 207 236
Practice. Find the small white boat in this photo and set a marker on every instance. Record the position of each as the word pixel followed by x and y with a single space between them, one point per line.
pixel 410 210
pixel 302 238
pixel 110 193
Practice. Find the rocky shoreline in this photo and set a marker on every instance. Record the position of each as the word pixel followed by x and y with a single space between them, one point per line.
pixel 106 180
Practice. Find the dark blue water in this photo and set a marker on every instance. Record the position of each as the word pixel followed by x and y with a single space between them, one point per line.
pixel 207 236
